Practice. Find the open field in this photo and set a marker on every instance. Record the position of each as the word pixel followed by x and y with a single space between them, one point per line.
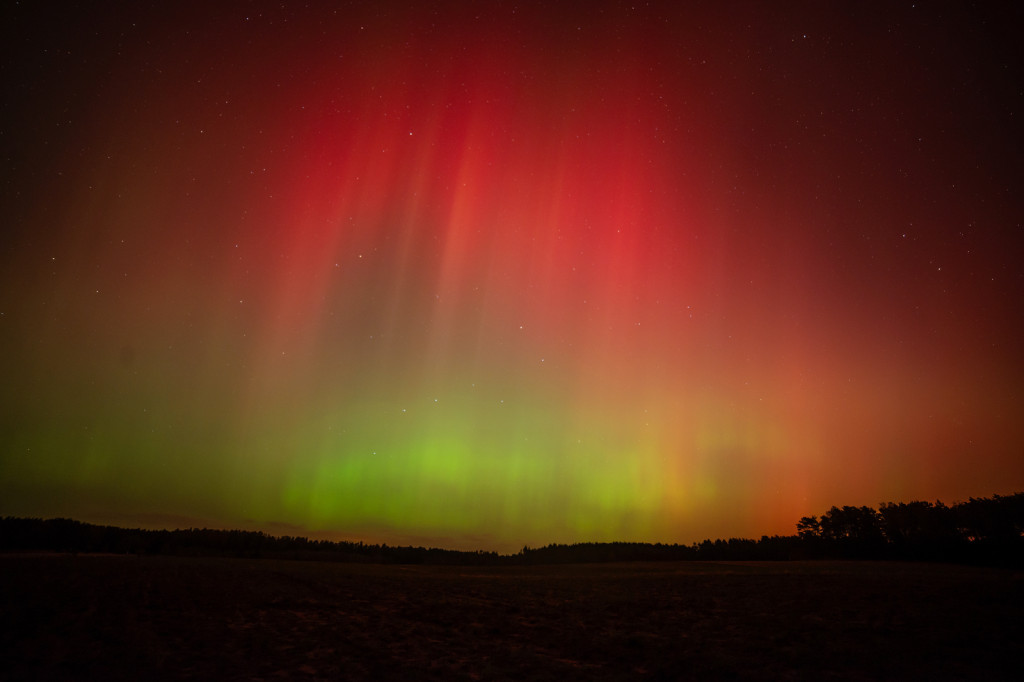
pixel 127 617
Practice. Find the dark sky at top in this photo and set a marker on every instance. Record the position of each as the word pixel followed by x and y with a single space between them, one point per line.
pixel 494 273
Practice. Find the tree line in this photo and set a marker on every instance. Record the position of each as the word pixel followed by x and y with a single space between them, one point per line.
pixel 70 536
pixel 981 530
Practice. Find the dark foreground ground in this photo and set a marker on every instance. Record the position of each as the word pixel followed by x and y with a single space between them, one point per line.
pixel 114 617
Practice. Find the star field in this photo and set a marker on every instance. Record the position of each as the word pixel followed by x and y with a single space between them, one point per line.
pixel 489 276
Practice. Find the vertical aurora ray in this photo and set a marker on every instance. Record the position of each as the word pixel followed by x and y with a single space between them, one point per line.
pixel 509 278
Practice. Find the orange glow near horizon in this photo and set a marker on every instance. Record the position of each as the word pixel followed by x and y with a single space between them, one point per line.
pixel 503 278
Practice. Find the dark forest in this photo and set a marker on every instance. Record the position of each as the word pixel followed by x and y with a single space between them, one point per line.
pixel 987 531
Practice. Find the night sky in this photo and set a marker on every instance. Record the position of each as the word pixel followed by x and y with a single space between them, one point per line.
pixel 493 274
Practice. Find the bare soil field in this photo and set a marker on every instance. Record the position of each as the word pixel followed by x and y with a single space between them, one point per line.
pixel 127 617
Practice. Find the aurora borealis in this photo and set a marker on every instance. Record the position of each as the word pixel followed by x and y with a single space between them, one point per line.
pixel 482 275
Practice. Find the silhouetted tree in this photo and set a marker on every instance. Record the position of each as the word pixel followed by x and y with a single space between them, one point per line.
pixel 808 527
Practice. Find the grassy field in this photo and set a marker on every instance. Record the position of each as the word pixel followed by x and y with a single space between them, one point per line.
pixel 118 617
